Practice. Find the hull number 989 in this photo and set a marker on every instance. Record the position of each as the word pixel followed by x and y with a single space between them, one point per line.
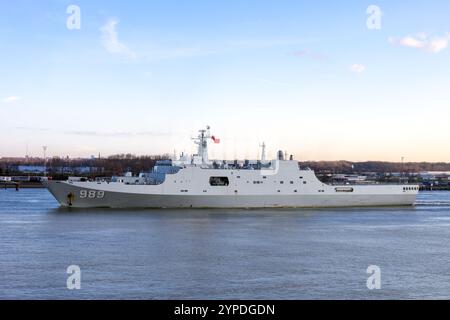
pixel 91 194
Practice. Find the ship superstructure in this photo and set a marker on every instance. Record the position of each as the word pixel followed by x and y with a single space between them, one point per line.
pixel 198 182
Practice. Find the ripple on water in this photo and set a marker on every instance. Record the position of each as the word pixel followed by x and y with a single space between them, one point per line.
pixel 244 254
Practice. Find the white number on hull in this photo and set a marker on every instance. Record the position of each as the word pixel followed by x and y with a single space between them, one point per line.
pixel 91 194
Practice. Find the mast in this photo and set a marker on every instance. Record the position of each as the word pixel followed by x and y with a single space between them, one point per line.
pixel 202 143
pixel 263 151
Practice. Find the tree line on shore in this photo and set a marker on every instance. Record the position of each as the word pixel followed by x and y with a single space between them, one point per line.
pixel 375 166
pixel 120 163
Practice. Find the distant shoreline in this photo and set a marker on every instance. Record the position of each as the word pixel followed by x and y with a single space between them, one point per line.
pixel 38 185
pixel 27 185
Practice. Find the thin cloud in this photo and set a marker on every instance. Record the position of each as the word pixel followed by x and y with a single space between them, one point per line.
pixel 116 133
pixel 92 133
pixel 11 99
pixel 357 68
pixel 423 42
pixel 34 129
pixel 110 39
pixel 277 83
pixel 175 53
pixel 253 43
pixel 309 54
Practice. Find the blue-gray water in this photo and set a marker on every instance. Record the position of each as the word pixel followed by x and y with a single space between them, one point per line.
pixel 223 254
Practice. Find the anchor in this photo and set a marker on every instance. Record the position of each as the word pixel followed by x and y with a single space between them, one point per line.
pixel 70 198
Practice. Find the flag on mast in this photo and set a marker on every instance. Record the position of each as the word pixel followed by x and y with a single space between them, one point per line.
pixel 216 140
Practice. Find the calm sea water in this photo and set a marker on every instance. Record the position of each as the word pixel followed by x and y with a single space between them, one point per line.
pixel 223 254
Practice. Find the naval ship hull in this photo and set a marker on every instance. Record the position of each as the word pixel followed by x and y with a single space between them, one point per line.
pixel 197 182
pixel 68 195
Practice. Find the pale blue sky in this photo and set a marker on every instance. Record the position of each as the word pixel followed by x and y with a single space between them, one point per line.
pixel 305 76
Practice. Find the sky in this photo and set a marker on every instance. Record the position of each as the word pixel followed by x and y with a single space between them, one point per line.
pixel 322 80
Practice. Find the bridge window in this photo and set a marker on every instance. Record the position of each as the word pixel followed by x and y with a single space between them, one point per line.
pixel 219 181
